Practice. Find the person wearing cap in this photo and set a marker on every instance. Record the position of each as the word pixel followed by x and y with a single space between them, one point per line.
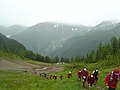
pixel 51 77
pixel 96 73
pixel 91 80
pixel 69 74
pixel 84 76
pixel 61 77
pixel 55 77
pixel 112 79
pixel 79 73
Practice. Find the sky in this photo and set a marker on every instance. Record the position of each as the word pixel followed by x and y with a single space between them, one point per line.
pixel 85 12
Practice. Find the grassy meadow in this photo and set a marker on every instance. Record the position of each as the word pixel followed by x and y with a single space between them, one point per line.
pixel 19 80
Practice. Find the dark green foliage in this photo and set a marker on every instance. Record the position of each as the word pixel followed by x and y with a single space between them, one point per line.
pixel 10 45
pixel 114 45
pixel 77 59
pixel 119 42
pixel 13 47
pixel 108 52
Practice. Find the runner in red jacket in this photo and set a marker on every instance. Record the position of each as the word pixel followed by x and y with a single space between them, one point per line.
pixel 91 80
pixel 79 73
pixel 69 74
pixel 61 77
pixel 51 76
pixel 112 79
pixel 84 76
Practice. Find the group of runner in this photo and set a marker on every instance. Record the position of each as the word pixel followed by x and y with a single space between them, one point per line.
pixel 55 77
pixel 85 77
pixel 110 81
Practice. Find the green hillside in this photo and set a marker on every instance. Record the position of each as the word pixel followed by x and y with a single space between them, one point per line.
pixel 16 80
pixel 10 44
pixel 10 48
pixel 105 57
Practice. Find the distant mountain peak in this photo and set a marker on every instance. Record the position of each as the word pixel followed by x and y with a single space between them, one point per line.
pixel 105 25
pixel 109 22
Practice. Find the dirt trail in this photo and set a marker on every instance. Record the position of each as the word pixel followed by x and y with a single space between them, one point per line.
pixel 16 65
pixel 26 66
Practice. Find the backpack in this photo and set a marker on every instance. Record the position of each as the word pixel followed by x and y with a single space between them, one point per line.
pixel 95 73
pixel 112 75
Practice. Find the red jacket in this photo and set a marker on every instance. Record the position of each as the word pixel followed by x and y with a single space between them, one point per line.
pixel 112 83
pixel 69 74
pixel 51 77
pixel 61 76
pixel 91 79
pixel 85 73
pixel 79 73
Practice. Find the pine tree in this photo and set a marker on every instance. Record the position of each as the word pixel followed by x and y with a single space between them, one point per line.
pixel 77 58
pixel 119 43
pixel 114 45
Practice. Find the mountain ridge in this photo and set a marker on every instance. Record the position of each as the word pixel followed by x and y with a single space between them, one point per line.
pixel 49 35
pixel 51 38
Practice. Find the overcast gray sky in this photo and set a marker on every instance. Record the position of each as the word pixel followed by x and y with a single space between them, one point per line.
pixel 30 12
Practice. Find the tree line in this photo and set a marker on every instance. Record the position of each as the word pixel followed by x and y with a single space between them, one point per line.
pixel 102 52
pixel 105 51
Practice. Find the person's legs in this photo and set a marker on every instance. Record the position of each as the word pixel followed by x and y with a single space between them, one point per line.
pixel 90 85
pixel 83 82
pixel 111 88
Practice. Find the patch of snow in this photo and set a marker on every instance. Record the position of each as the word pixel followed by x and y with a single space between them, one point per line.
pixel 106 25
pixel 115 21
pixel 72 29
pixel 8 36
pixel 56 25
pixel 89 29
